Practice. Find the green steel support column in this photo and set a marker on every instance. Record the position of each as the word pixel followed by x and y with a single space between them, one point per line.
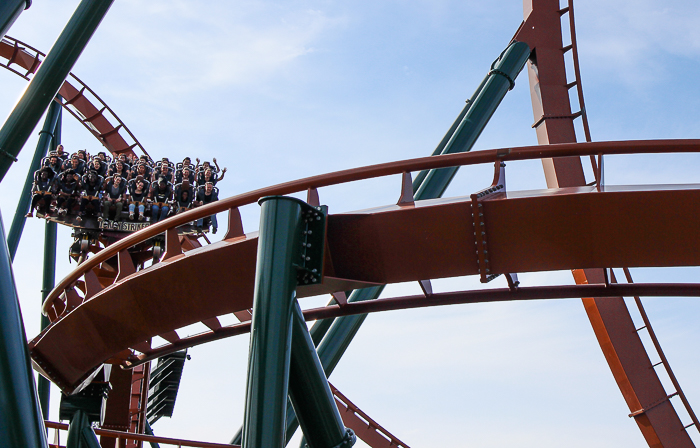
pixel 499 81
pixel 420 177
pixel 49 278
pixel 477 113
pixel 21 423
pixel 279 245
pixel 89 437
pixel 48 79
pixel 75 430
pixel 149 431
pixel 310 394
pixel 9 11
pixel 25 199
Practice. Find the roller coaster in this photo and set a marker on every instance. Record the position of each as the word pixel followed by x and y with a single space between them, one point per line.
pixel 98 342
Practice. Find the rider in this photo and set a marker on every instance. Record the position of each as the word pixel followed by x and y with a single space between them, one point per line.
pixel 138 192
pixel 98 166
pixel 75 164
pixel 113 195
pixel 67 187
pixel 41 189
pixel 161 194
pixel 91 186
pixel 184 194
pixel 207 194
pixel 55 163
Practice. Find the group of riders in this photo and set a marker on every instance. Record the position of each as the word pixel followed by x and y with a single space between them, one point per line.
pixel 99 185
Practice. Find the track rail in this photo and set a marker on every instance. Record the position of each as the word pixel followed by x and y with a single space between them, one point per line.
pixel 371 432
pixel 432 300
pixel 135 312
pixel 136 438
pixel 473 158
pixel 76 97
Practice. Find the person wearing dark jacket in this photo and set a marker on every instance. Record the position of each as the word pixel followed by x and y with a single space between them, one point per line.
pixel 206 194
pixel 161 194
pixel 67 189
pixel 91 187
pixel 41 191
pixel 184 195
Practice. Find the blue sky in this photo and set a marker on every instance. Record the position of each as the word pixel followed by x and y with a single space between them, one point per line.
pixel 278 91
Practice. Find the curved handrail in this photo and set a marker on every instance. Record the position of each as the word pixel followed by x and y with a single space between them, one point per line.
pixel 30 58
pixel 369 172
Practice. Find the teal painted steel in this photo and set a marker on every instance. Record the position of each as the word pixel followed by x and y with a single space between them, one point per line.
pixel 279 244
pixel 310 394
pixel 25 199
pixel 89 438
pixel 48 79
pixel 21 423
pixel 49 278
pixel 499 81
pixel 149 431
pixel 9 12
pixel 75 430
pixel 420 177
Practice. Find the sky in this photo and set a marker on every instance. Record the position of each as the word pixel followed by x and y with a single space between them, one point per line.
pixel 278 91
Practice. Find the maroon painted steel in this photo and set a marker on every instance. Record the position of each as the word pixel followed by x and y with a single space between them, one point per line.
pixel 662 355
pixel 435 299
pixel 612 324
pixel 78 99
pixel 527 231
pixel 144 438
pixel 371 432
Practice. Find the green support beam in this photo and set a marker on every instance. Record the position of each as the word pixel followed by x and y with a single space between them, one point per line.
pixel 149 431
pixel 420 177
pixel 42 147
pixel 21 422
pixel 499 81
pixel 49 278
pixel 48 79
pixel 9 11
pixel 310 393
pixel 279 244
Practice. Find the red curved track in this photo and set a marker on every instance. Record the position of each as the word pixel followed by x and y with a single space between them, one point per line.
pixel 78 99
pixel 364 248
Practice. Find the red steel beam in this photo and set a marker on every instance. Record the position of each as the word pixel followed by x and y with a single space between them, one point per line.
pixel 531 231
pixel 612 324
pixel 144 438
